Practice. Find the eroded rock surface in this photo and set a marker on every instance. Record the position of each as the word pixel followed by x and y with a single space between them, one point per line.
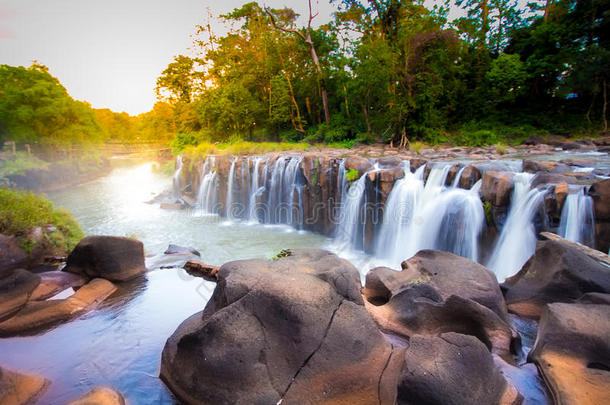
pixel 20 389
pixel 556 272
pixel 293 330
pixel 100 396
pixel 572 351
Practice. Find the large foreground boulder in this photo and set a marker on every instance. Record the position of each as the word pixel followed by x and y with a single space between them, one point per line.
pixel 289 331
pixel 572 351
pixel 15 291
pixel 20 389
pixel 557 272
pixel 452 369
pixel 111 257
pixel 39 315
pixel 438 292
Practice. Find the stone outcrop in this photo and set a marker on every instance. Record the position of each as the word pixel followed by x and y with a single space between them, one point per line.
pixel 39 315
pixel 600 192
pixel 111 257
pixel 12 256
pixel 100 396
pixel 438 292
pixel 548 166
pixel 572 351
pixel 198 268
pixel 15 291
pixel 20 389
pixel 497 187
pixel 452 369
pixel 293 330
pixel 557 272
pixel 54 282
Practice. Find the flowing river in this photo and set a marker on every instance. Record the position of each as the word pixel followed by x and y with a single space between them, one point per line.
pixel 120 343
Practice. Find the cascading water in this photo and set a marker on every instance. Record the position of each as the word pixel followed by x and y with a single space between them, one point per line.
pixel 577 220
pixel 177 178
pixel 230 182
pixel 517 241
pixel 350 228
pixel 207 195
pixel 256 192
pixel 291 190
pixel 429 217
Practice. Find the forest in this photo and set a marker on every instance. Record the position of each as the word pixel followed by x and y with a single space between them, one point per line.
pixel 380 71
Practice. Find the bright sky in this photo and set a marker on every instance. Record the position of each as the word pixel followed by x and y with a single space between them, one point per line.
pixel 110 52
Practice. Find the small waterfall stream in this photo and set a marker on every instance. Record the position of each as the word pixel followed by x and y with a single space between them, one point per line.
pixel 577 221
pixel 230 191
pixel 177 185
pixel 207 195
pixel 517 241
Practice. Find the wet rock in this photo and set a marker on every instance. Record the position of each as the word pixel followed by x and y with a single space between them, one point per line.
pixel 600 192
pixel 390 161
pixel 54 282
pixel 542 179
pixel 176 206
pixel 38 315
pixel 15 291
pixel 362 165
pixel 416 163
pixel 556 272
pixel 291 330
pixel 497 187
pixel 197 268
pixel 533 140
pixel 470 175
pixel 561 193
pixel 536 166
pixel 175 249
pixel 111 257
pixel 452 369
pixel 439 292
pixel 100 396
pixel 12 256
pixel 20 389
pixel 572 352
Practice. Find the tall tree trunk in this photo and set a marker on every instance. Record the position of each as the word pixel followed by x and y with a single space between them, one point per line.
pixel 484 21
pixel 588 114
pixel 316 62
pixel 366 117
pixel 547 9
pixel 346 103
pixel 299 120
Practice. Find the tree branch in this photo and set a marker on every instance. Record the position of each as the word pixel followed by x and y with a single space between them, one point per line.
pixel 284 29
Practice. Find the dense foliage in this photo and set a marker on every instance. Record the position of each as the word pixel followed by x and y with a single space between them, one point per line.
pixel 21 212
pixel 396 71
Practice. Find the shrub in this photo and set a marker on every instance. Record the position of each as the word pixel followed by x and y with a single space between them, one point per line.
pixel 352 175
pixel 501 148
pixel 366 138
pixel 416 146
pixel 21 212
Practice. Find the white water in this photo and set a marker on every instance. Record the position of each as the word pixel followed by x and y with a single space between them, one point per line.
pixel 350 229
pixel 577 220
pixel 257 190
pixel 177 178
pixel 230 182
pixel 433 216
pixel 207 196
pixel 517 241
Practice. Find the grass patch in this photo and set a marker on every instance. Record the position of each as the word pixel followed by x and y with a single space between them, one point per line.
pixel 242 148
pixel 21 212
pixel 18 164
pixel 416 146
pixel 352 175
pixel 166 168
pixel 501 148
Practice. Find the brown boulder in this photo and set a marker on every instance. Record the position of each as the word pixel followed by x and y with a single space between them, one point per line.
pixel 497 187
pixel 439 292
pixel 20 389
pixel 111 257
pixel 100 396
pixel 362 165
pixel 292 330
pixel 470 175
pixel 572 352
pixel 54 282
pixel 536 166
pixel 12 255
pixel 452 369
pixel 38 315
pixel 16 290
pixel 600 192
pixel 556 272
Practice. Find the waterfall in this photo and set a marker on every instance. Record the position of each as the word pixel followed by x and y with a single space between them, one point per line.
pixel 458 176
pixel 429 217
pixel 255 191
pixel 207 195
pixel 517 241
pixel 577 220
pixel 230 182
pixel 274 197
pixel 350 228
pixel 177 178
pixel 291 190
